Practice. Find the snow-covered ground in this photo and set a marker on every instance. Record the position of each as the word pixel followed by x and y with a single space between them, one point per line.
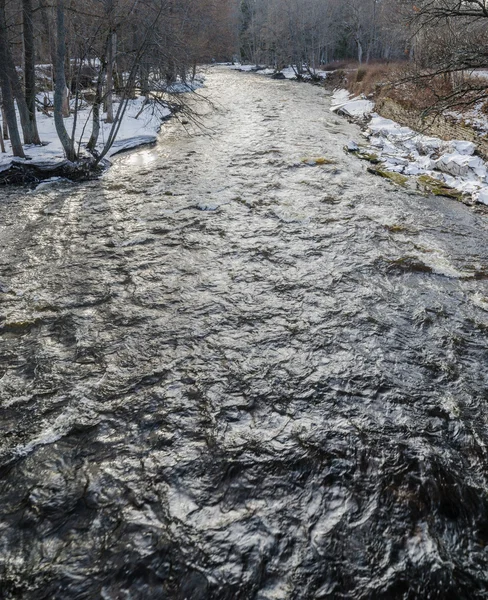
pixel 288 72
pixel 402 150
pixel 359 106
pixel 181 87
pixel 134 131
pixel 474 116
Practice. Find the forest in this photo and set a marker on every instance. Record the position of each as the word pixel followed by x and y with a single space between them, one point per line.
pixel 56 56
pixel 59 55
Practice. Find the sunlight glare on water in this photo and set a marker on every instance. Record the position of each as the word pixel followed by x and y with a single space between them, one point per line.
pixel 229 373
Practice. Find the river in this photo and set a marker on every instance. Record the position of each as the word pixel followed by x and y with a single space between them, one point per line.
pixel 227 374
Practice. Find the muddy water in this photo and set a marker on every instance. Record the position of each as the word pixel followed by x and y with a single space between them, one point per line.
pixel 227 374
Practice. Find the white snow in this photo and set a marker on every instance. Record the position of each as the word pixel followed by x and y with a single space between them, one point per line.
pixel 462 147
pixel 452 162
pixel 133 132
pixel 289 72
pixel 402 150
pixel 358 106
pixel 182 87
pixel 482 195
pixel 481 73
pixel 50 183
pixel 339 97
pixel 241 67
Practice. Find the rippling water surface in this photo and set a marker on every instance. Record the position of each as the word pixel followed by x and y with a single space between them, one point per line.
pixel 227 374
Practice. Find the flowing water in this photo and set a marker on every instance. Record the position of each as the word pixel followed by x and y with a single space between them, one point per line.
pixel 228 374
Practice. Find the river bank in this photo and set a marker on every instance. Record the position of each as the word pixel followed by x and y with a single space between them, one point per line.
pixel 140 126
pixel 444 153
pixel 442 166
pixel 440 154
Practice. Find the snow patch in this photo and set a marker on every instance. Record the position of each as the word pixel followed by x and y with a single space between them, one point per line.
pixel 289 72
pixel 403 150
pixel 140 125
pixel 47 184
pixel 355 107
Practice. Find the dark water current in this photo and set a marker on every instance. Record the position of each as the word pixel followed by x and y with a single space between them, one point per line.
pixel 229 375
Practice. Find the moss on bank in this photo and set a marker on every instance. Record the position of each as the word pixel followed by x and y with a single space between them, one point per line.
pixel 438 188
pixel 397 178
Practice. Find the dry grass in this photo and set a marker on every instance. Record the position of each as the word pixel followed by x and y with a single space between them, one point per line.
pixel 439 93
pixel 372 79
pixel 413 92
pixel 340 65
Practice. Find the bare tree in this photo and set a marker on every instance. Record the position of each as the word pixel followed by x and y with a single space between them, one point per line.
pixel 7 92
pixel 60 83
pixel 30 68
pixel 450 45
pixel 103 52
pixel 111 55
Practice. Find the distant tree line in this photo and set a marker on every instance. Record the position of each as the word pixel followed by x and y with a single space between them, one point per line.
pixel 316 32
pixel 451 48
pixel 443 42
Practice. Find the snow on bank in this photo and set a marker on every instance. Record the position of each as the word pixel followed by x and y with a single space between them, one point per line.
pixel 356 107
pixel 405 151
pixel 135 130
pixel 182 87
pixel 286 73
pixel 453 162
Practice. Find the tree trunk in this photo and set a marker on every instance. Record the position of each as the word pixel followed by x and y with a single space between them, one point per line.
pixel 60 85
pixel 29 69
pixel 110 77
pixel 2 143
pixel 8 66
pixel 9 105
pixel 48 28
pixel 18 94
pixel 97 104
pixel 5 84
pixel 144 78
pixel 4 121
pixel 65 106
pixel 2 133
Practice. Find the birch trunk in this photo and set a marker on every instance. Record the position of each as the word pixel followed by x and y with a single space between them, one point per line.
pixel 2 143
pixel 97 104
pixel 110 77
pixel 8 66
pixel 4 121
pixel 60 85
pixel 29 69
